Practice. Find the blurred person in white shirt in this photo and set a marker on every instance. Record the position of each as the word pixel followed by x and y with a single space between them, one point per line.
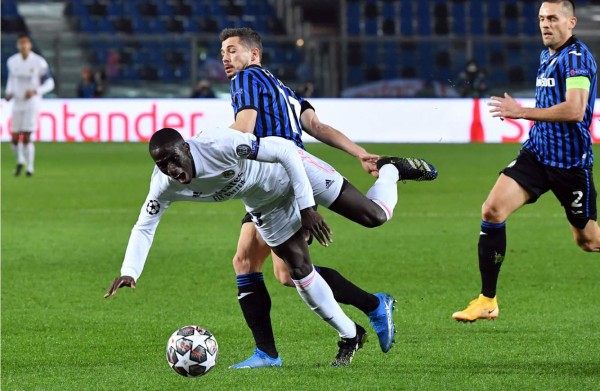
pixel 28 80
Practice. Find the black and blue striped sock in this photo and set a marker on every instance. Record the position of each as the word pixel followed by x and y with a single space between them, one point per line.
pixel 255 302
pixel 492 248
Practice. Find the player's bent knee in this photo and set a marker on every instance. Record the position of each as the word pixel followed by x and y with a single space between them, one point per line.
pixel 588 245
pixel 242 264
pixel 300 271
pixel 374 218
pixel 491 213
pixel 377 220
pixel 284 279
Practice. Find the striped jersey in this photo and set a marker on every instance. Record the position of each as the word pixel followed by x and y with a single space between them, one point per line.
pixel 563 144
pixel 278 107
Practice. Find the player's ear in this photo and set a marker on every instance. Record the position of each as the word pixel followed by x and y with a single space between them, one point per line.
pixel 255 55
pixel 186 149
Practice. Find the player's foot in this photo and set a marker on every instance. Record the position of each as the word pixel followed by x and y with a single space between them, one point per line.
pixel 410 168
pixel 29 173
pixel 259 359
pixel 480 308
pixel 383 322
pixel 349 346
pixel 18 169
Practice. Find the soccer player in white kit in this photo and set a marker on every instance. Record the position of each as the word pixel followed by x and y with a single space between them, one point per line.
pixel 28 80
pixel 220 165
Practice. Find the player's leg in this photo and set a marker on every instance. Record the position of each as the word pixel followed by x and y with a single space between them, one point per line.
pixel 344 291
pixel 318 296
pixel 588 237
pixel 16 144
pixel 254 298
pixel 334 192
pixel 384 192
pixel 364 210
pixel 378 307
pixel 576 191
pixel 29 153
pixel 505 197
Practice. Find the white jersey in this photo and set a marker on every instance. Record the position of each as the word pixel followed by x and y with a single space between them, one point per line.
pixel 31 73
pixel 225 170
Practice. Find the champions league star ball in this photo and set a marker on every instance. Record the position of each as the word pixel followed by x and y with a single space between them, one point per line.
pixel 192 351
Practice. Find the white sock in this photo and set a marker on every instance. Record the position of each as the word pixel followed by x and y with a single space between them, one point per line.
pixel 18 151
pixel 29 156
pixel 384 191
pixel 318 296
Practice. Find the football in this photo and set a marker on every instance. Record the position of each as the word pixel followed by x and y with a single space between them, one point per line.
pixel 192 351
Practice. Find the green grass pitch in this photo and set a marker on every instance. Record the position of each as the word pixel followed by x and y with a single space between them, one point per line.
pixel 65 230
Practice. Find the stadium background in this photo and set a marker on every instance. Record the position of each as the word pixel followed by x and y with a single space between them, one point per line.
pixel 64 230
pixel 157 48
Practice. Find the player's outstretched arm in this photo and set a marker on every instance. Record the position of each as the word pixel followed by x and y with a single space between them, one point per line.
pixel 571 110
pixel 118 283
pixel 329 135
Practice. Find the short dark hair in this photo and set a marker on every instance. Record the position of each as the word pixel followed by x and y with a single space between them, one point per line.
pixel 568 4
pixel 23 35
pixel 248 37
pixel 164 137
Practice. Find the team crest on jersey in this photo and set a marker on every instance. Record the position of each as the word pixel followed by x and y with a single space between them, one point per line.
pixel 243 150
pixel 237 92
pixel 228 174
pixel 152 207
pixel 579 72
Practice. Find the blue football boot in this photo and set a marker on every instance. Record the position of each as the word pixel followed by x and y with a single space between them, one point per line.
pixel 383 322
pixel 259 359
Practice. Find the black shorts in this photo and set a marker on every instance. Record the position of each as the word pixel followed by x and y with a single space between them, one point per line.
pixel 573 187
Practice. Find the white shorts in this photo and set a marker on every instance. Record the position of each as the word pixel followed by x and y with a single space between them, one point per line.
pixel 24 121
pixel 324 179
pixel 278 222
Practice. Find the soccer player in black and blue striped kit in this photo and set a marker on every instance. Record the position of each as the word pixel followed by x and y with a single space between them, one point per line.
pixel 557 156
pixel 266 107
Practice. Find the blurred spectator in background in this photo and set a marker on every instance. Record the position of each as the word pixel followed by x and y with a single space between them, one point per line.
pixel 308 90
pixel 472 83
pixel 90 85
pixel 112 64
pixel 203 90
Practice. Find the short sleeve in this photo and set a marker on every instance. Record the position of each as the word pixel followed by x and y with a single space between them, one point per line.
pixel 245 91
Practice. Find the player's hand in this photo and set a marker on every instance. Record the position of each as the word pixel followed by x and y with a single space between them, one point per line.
pixel 369 163
pixel 118 283
pixel 8 97
pixel 30 93
pixel 505 107
pixel 314 223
